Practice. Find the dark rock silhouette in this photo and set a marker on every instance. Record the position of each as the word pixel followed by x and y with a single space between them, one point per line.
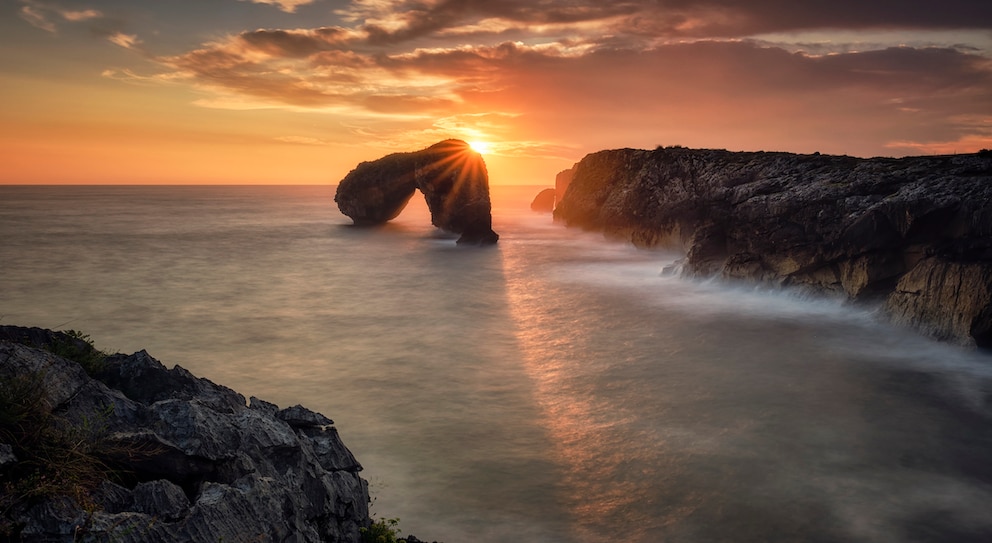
pixel 451 176
pixel 562 181
pixel 192 461
pixel 914 234
pixel 544 202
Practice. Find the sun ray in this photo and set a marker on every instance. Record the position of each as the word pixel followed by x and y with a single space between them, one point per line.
pixel 481 147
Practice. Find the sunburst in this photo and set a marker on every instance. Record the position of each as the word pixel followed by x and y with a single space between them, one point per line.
pixel 481 147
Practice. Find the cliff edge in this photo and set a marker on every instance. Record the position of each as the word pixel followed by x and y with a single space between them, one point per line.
pixel 914 234
pixel 119 448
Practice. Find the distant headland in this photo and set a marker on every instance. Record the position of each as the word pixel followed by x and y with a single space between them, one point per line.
pixel 912 234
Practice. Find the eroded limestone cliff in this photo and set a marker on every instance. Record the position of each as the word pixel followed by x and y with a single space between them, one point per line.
pixel 913 233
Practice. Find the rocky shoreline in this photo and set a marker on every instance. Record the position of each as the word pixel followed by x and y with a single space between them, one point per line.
pixel 913 234
pixel 120 448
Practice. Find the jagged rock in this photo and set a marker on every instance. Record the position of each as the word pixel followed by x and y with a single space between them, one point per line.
pixel 144 379
pixel 830 224
pixel 162 499
pixel 200 465
pixel 544 201
pixel 262 405
pixel 452 178
pixel 7 456
pixel 948 300
pixel 301 417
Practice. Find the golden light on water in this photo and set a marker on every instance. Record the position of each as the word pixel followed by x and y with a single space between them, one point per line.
pixel 595 489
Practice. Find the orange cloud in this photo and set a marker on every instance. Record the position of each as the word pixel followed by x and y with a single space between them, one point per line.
pixel 554 80
pixel 41 14
pixel 289 6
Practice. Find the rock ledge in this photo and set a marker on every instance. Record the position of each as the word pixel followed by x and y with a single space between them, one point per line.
pixel 191 461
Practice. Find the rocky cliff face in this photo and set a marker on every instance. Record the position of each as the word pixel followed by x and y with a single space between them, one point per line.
pixel 452 178
pixel 148 454
pixel 914 233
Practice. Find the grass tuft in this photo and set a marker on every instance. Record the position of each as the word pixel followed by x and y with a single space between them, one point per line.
pixel 382 531
pixel 78 347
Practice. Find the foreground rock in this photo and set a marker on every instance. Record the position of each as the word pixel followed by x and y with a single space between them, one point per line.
pixel 149 454
pixel 452 178
pixel 913 233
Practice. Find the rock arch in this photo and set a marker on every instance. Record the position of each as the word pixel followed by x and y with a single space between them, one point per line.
pixel 451 176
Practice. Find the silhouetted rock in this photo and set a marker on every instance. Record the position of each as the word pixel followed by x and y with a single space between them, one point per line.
pixel 915 232
pixel 451 176
pixel 194 462
pixel 562 181
pixel 544 202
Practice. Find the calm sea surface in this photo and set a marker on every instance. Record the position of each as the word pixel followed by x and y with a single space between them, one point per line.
pixel 554 388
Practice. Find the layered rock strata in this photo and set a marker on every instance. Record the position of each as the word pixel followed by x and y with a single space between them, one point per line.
pixel 452 177
pixel 176 457
pixel 913 233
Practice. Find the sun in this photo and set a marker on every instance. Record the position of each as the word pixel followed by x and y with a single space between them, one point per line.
pixel 481 147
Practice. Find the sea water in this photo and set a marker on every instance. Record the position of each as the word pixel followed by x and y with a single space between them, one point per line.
pixel 556 387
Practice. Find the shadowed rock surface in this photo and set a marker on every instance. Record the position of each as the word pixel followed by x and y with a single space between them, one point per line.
pixel 191 461
pixel 544 202
pixel 562 181
pixel 913 233
pixel 452 178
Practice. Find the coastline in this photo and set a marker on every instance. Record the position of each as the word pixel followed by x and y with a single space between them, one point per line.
pixel 913 234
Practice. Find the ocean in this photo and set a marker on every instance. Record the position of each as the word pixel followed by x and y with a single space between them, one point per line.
pixel 554 388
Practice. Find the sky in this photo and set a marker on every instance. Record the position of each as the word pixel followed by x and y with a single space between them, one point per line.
pixel 301 91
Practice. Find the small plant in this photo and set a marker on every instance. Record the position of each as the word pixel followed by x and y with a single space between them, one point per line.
pixel 56 457
pixel 78 347
pixel 382 531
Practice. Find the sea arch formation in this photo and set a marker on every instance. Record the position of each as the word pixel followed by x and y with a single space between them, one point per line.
pixel 451 176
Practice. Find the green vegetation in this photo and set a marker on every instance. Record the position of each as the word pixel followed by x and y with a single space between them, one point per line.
pixel 78 347
pixel 56 456
pixel 382 531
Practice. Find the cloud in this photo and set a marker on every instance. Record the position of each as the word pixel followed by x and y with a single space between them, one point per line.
pixel 81 15
pixel 301 140
pixel 42 15
pixel 289 6
pixel 632 69
pixel 37 17
pixel 397 21
pixel 127 41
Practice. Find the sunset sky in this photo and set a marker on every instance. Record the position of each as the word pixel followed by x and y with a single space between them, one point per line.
pixel 300 91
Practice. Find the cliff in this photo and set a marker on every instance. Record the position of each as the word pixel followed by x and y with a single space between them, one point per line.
pixel 119 448
pixel 914 234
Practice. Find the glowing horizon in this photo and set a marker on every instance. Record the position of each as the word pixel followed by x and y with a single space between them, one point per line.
pixel 301 91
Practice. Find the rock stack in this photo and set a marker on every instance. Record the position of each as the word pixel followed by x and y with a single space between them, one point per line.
pixel 452 177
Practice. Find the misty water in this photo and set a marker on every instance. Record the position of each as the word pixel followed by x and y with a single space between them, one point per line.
pixel 554 388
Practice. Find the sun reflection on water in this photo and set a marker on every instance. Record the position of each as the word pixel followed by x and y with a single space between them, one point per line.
pixel 598 489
